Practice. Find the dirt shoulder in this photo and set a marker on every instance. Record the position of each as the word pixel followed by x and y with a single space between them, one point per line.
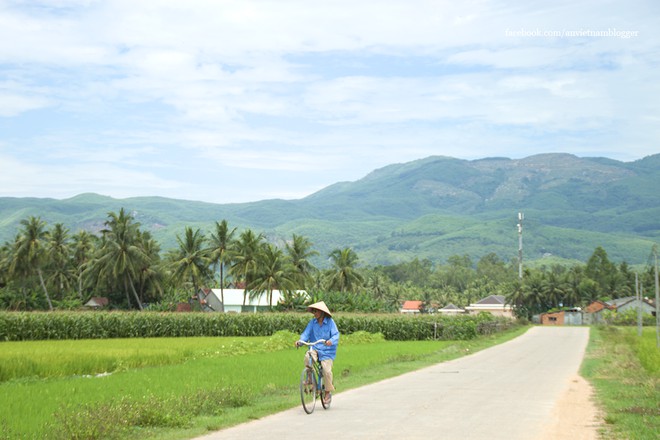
pixel 575 414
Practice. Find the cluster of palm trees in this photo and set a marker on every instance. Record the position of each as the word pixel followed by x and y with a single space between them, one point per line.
pixel 124 263
pixel 48 268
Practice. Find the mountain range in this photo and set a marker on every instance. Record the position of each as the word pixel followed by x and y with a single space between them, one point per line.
pixel 429 208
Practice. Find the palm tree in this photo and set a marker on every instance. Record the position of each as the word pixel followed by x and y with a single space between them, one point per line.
pixel 83 251
pixel 534 298
pixel 5 259
pixel 120 255
pixel 245 258
pixel 299 251
pixel 343 274
pixel 517 299
pixel 221 247
pixel 150 274
pixel 191 262
pixel 553 289
pixel 30 251
pixel 59 250
pixel 572 279
pixel 274 273
pixel 378 285
pixel 8 254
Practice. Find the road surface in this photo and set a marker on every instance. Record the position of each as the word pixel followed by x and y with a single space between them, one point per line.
pixel 506 392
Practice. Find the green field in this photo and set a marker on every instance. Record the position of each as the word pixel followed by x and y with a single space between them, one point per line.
pixel 177 388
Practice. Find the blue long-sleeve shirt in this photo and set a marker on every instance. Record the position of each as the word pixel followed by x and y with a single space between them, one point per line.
pixel 327 330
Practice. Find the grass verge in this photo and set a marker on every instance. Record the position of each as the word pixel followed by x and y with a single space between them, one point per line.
pixel 625 372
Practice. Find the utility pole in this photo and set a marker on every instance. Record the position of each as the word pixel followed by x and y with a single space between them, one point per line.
pixel 521 216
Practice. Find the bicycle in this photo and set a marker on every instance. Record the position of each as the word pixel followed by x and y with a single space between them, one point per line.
pixel 311 381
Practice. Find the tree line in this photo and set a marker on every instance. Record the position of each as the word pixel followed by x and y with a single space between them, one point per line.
pixel 47 268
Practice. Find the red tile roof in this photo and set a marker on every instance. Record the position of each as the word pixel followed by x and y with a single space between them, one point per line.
pixel 412 305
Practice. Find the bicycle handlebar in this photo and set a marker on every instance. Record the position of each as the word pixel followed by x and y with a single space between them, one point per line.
pixel 310 344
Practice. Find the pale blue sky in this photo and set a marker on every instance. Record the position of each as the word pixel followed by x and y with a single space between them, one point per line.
pixel 236 101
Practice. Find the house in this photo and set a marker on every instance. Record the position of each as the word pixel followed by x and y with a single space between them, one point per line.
pixel 493 304
pixel 412 307
pixel 632 303
pixel 451 309
pixel 562 317
pixel 594 311
pixel 211 300
pixel 597 306
pixel 97 302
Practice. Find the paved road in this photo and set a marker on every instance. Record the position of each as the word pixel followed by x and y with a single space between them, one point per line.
pixel 505 392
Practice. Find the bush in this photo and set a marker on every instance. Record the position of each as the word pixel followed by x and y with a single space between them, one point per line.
pixel 628 317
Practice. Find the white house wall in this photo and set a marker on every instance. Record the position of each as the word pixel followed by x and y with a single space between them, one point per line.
pixel 234 299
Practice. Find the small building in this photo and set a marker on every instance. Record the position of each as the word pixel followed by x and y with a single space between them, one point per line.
pixel 412 307
pixel 594 311
pixel 451 309
pixel 211 300
pixel 562 317
pixel 632 303
pixel 493 304
pixel 97 302
pixel 597 306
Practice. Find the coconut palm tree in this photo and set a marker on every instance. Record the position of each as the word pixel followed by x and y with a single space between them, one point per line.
pixel 245 258
pixel 221 244
pixel 535 300
pixel 5 259
pixel 274 272
pixel 377 284
pixel 300 251
pixel 59 251
pixel 191 262
pixel 343 275
pixel 120 255
pixel 517 299
pixel 150 274
pixel 553 289
pixel 83 251
pixel 31 255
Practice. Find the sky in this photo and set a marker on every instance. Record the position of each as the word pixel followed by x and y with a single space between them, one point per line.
pixel 230 101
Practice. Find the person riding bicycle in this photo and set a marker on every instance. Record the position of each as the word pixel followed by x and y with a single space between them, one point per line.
pixel 322 326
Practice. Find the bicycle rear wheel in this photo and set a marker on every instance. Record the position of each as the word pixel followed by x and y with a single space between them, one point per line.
pixel 308 390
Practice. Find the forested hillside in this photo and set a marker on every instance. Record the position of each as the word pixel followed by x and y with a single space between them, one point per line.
pixel 431 208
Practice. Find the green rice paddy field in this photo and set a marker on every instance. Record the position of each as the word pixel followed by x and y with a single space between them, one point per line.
pixel 177 388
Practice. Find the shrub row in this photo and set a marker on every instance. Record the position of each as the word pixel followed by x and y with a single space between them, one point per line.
pixel 23 326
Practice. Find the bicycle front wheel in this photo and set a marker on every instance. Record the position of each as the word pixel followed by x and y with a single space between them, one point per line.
pixel 308 390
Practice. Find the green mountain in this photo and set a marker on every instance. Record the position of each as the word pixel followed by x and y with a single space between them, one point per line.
pixel 429 208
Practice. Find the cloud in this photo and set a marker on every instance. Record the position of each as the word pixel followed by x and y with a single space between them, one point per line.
pixel 329 92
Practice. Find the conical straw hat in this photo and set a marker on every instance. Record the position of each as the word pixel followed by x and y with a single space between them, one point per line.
pixel 319 306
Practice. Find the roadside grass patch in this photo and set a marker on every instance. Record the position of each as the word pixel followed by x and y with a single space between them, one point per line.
pixel 624 369
pixel 117 418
